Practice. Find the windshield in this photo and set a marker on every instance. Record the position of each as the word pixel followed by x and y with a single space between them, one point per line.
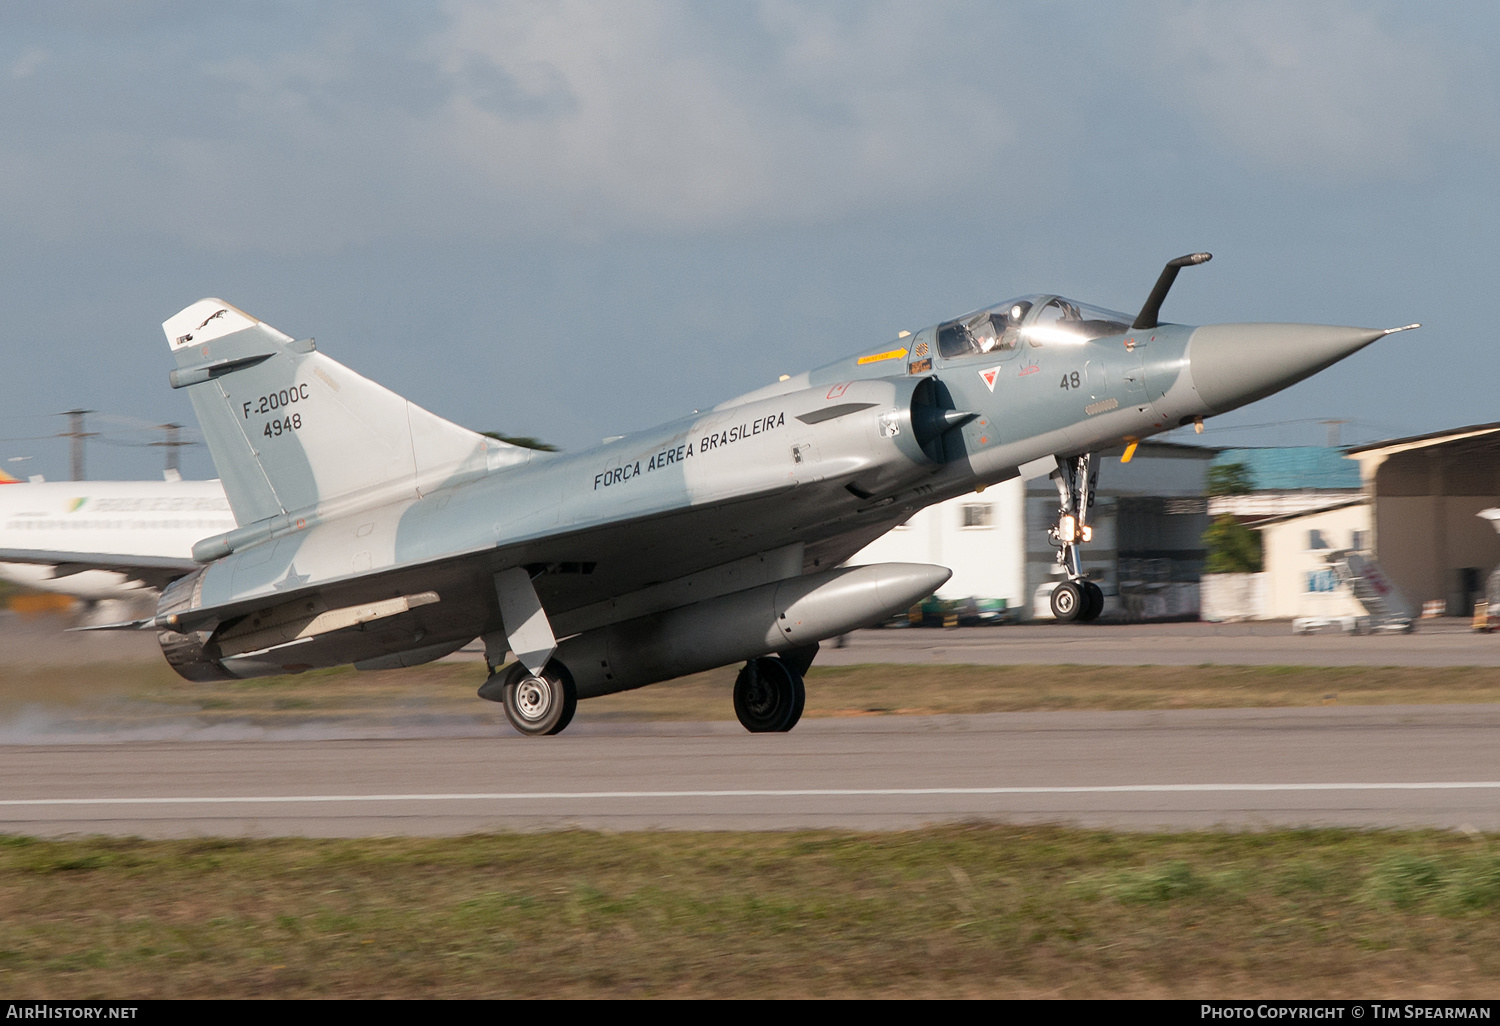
pixel 1062 321
pixel 994 330
pixel 998 331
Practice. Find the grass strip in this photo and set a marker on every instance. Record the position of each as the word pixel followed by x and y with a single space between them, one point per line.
pixel 964 911
pixel 888 689
pixel 119 694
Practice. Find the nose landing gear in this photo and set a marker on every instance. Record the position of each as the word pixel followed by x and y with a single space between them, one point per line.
pixel 1076 598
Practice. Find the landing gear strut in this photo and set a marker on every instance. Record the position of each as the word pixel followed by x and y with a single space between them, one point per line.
pixel 769 696
pixel 1076 598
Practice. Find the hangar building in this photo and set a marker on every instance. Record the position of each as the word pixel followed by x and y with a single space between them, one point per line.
pixel 1414 504
pixel 1425 493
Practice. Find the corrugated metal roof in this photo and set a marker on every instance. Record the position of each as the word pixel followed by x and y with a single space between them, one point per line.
pixel 1294 468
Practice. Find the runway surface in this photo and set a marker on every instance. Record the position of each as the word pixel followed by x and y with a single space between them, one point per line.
pixel 1373 766
pixel 1408 766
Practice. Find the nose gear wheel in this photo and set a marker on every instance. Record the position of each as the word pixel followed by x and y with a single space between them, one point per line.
pixel 1095 605
pixel 1067 601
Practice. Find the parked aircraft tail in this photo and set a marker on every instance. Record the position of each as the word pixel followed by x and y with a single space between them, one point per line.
pixel 288 428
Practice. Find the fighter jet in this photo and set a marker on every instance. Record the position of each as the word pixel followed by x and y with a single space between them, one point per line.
pixel 375 533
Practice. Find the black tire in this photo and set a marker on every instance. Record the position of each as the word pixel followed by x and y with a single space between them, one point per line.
pixel 569 708
pixel 1093 602
pixel 1067 601
pixel 799 696
pixel 539 705
pixel 765 696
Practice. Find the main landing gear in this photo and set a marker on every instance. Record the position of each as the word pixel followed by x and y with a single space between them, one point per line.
pixel 769 693
pixel 535 703
pixel 1076 598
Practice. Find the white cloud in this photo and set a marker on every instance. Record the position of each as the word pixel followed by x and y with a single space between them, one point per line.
pixel 640 110
pixel 1329 90
pixel 490 121
pixel 27 64
pixel 578 115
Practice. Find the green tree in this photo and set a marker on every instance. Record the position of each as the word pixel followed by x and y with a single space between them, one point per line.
pixel 1232 547
pixel 1230 479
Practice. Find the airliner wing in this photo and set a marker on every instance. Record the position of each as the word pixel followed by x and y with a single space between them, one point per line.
pixel 155 571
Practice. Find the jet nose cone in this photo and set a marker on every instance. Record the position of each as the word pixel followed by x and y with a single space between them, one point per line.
pixel 1235 364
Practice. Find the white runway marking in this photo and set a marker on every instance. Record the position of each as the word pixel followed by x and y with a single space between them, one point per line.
pixel 505 796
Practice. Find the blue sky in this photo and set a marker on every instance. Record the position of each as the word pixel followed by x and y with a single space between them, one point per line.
pixel 574 219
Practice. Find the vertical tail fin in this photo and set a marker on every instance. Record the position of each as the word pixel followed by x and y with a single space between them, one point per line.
pixel 288 428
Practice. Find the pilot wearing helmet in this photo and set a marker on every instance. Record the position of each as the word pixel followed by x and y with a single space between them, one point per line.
pixel 1011 337
pixel 997 330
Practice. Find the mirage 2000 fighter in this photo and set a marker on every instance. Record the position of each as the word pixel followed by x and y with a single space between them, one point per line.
pixel 375 533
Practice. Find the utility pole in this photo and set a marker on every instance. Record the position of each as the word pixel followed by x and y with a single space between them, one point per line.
pixel 77 434
pixel 172 444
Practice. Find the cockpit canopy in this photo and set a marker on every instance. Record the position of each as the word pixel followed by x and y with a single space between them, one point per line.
pixel 1035 320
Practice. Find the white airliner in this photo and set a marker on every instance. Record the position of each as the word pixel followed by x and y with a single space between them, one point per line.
pixel 103 540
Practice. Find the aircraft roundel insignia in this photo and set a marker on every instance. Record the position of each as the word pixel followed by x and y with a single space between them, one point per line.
pixel 989 375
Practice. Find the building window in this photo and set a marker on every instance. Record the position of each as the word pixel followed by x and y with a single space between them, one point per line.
pixel 1321 581
pixel 1315 540
pixel 977 514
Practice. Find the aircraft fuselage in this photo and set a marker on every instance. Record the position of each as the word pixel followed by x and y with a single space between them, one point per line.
pixel 788 480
